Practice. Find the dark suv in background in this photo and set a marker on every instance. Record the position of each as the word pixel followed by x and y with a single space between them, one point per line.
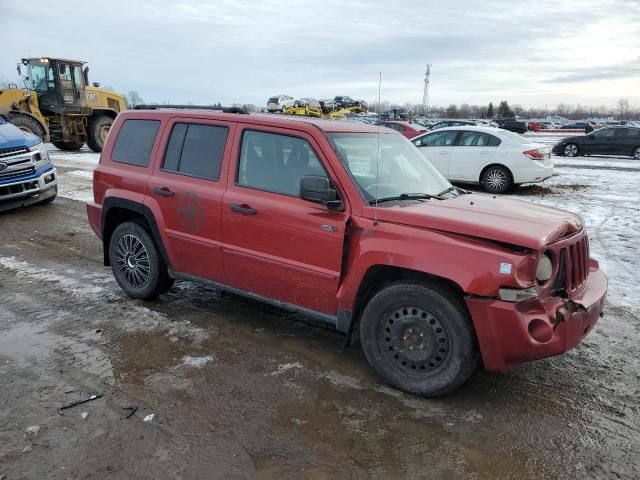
pixel 605 141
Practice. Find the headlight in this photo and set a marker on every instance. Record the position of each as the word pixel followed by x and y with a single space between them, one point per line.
pixel 544 269
pixel 41 157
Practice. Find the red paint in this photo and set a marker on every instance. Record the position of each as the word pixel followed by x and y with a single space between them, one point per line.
pixel 404 128
pixel 282 253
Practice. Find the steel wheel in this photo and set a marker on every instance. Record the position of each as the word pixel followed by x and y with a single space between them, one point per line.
pixel 133 260
pixel 415 340
pixel 571 150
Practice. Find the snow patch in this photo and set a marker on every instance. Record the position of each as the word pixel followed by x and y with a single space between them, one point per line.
pixel 196 362
pixel 284 368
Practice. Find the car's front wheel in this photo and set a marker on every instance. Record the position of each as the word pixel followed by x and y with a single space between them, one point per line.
pixel 636 153
pixel 136 263
pixel 419 338
pixel 496 179
pixel 571 150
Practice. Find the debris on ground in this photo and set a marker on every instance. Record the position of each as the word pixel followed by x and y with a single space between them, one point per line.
pixel 84 415
pixel 131 410
pixel 27 449
pixel 32 430
pixel 79 402
pixel 149 418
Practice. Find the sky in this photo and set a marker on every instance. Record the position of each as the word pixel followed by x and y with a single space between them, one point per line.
pixel 532 53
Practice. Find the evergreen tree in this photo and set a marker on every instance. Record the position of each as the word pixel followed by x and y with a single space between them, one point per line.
pixel 504 111
pixel 490 112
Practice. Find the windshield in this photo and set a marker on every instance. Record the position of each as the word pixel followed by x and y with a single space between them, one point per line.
pixel 400 168
pixel 41 76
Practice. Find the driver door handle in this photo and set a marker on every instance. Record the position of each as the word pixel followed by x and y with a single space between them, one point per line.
pixel 244 209
pixel 163 192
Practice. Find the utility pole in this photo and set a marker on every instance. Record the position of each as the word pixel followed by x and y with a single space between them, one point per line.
pixel 425 93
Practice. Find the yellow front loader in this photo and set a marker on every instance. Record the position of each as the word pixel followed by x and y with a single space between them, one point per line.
pixel 58 104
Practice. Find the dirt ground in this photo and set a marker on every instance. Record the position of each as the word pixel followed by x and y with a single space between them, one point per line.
pixel 240 390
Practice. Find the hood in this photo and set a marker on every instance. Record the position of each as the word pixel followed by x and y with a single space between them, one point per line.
pixel 484 216
pixel 11 136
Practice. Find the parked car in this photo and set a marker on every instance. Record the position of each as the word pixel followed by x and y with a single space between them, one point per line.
pixel 605 141
pixel 517 126
pixel 344 101
pixel 307 102
pixel 451 123
pixel 328 105
pixel 279 103
pixel 407 129
pixel 351 226
pixel 494 158
pixel 577 126
pixel 27 175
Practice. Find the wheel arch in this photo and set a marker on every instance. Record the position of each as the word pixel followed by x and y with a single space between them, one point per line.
pixel 495 164
pixel 119 210
pixel 380 275
pixel 99 112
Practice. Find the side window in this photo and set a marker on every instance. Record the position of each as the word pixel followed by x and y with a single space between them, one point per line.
pixel 478 139
pixel 135 141
pixel 604 133
pixel 196 150
pixel 439 139
pixel 628 132
pixel 276 163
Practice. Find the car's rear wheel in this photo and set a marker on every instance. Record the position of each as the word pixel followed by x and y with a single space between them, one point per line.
pixel 419 338
pixel 636 153
pixel 136 263
pixel 571 150
pixel 496 179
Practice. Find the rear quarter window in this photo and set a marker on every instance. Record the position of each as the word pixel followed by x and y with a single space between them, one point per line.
pixel 135 141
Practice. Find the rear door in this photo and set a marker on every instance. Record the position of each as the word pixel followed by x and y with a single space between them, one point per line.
pixel 276 244
pixel 472 152
pixel 186 187
pixel 627 140
pixel 437 147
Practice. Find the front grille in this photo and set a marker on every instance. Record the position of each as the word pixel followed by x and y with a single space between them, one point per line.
pixel 573 265
pixel 17 173
pixel 12 152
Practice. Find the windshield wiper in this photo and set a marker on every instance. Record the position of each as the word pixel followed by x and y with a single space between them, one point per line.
pixel 404 196
pixel 452 189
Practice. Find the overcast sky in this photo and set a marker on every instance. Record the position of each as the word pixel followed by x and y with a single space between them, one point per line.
pixel 533 53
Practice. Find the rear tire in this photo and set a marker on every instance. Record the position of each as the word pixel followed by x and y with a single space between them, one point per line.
pixel 571 150
pixel 136 263
pixel 68 146
pixel 27 124
pixel 496 179
pixel 419 338
pixel 98 130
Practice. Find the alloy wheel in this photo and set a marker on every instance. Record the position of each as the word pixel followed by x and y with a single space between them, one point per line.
pixel 496 180
pixel 636 153
pixel 133 260
pixel 414 340
pixel 571 150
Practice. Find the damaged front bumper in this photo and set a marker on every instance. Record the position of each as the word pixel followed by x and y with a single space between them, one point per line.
pixel 513 333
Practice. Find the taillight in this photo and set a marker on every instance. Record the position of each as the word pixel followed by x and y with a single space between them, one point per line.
pixel 534 154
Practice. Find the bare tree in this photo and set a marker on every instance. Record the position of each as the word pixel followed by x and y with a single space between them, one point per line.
pixel 133 99
pixel 623 108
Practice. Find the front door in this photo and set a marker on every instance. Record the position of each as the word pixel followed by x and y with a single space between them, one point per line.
pixel 276 244
pixel 187 187
pixel 600 142
pixel 437 148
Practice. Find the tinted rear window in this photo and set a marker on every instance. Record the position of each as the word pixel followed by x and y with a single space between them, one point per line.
pixel 196 150
pixel 135 141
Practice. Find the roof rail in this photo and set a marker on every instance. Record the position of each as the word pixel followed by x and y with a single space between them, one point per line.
pixel 193 107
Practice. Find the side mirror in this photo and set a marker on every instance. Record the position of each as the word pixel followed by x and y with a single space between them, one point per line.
pixel 318 189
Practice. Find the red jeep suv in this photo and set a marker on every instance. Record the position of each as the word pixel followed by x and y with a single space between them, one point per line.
pixel 347 223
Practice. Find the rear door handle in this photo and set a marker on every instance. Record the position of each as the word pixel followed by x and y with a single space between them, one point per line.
pixel 163 192
pixel 244 209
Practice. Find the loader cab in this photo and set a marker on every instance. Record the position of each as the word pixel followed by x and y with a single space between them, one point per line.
pixel 58 83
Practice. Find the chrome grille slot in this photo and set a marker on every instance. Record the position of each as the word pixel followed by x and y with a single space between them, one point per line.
pixel 12 152
pixel 17 173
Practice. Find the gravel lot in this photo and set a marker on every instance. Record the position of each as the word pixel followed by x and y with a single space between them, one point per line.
pixel 241 390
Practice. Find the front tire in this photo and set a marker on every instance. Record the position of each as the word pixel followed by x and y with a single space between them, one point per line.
pixel 419 338
pixel 496 179
pixel 98 130
pixel 571 150
pixel 136 263
pixel 636 153
pixel 68 146
pixel 27 124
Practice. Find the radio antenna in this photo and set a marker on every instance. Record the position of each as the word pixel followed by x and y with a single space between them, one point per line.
pixel 375 211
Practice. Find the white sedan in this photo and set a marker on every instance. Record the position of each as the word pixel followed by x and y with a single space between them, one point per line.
pixel 496 159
